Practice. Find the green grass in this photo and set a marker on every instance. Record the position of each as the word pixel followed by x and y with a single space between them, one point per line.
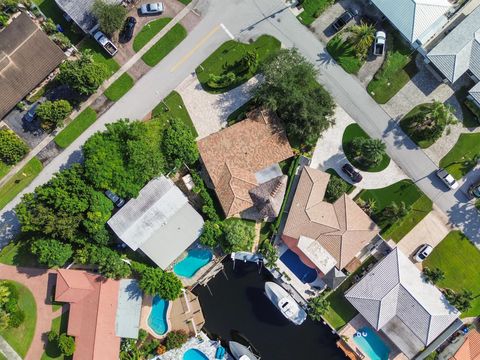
pixel 148 31
pixel 340 311
pixel 223 60
pixel 459 259
pixel 413 115
pixel 185 2
pixel 397 69
pixel 351 132
pixel 2 357
pixel 17 253
pixel 59 325
pixel 119 87
pixel 19 181
pixel 470 119
pixel 166 44
pixel 173 107
pixel 411 195
pixel 51 10
pixel 20 338
pixel 463 156
pixel 4 169
pixel 344 54
pixel 73 130
pixel 100 55
pixel 313 9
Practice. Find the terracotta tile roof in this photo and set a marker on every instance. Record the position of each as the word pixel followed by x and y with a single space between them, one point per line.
pixel 27 56
pixel 470 350
pixel 93 306
pixel 342 228
pixel 233 155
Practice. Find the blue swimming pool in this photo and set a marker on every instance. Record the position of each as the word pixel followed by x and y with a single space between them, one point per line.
pixel 194 354
pixel 371 344
pixel 157 320
pixel 303 272
pixel 195 260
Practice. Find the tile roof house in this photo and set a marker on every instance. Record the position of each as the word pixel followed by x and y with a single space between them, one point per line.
pixel 470 349
pixel 93 312
pixel 324 235
pixel 27 57
pixel 417 20
pixel 395 299
pixel 240 157
pixel 459 52
pixel 160 222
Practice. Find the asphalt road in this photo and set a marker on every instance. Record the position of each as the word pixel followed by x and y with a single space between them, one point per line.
pixel 246 19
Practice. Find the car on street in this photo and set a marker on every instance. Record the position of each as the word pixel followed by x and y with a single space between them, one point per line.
pixel 423 252
pixel 342 20
pixel 352 173
pixel 474 190
pixel 31 114
pixel 128 28
pixel 117 200
pixel 447 179
pixel 152 8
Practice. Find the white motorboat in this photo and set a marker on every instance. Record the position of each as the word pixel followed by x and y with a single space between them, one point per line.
pixel 285 303
pixel 241 352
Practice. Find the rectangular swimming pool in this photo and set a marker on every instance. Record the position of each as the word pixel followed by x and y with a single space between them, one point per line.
pixel 371 344
pixel 304 273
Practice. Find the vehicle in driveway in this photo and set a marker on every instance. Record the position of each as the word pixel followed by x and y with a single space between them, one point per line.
pixel 31 114
pixel 423 252
pixel 447 179
pixel 342 20
pixel 117 200
pixel 152 8
pixel 474 190
pixel 105 42
pixel 128 28
pixel 379 44
pixel 352 173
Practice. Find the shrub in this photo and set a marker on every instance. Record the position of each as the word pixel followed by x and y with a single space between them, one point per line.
pixel 336 187
pixel 179 144
pixel 21 106
pixel 17 318
pixel 208 207
pixel 66 344
pixel 52 336
pixel 212 233
pixel 51 252
pixel 142 335
pixel 61 40
pixel 238 236
pixel 3 19
pixel 221 81
pixel 110 16
pixel 161 349
pixel 52 113
pixel 49 26
pixel 175 339
pixel 12 148
pixel 433 275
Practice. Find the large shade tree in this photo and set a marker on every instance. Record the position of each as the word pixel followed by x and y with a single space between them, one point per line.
pixel 110 15
pixel 179 144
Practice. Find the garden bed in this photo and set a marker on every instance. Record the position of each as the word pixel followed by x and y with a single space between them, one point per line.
pixel 343 53
pixel 417 112
pixel 463 157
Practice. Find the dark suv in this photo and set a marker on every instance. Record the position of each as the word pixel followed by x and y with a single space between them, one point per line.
pixel 117 200
pixel 127 31
pixel 352 173
pixel 342 21
pixel 474 190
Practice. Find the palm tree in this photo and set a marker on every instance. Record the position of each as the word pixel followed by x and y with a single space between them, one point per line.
pixel 317 306
pixel 362 37
pixel 430 124
pixel 433 275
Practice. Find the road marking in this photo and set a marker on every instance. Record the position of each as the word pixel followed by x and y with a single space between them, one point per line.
pixel 190 53
pixel 227 31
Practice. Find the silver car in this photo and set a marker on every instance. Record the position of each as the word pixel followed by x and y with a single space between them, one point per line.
pixel 152 8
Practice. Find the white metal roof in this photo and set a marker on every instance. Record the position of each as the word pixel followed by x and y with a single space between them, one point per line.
pixel 322 259
pixel 415 19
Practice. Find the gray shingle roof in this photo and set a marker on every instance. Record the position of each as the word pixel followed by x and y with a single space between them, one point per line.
pixel 459 51
pixel 475 92
pixel 395 289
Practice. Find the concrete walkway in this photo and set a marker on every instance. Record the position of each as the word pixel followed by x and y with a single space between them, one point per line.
pixel 8 351
pixel 328 154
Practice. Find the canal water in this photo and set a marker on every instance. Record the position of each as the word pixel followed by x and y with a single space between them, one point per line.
pixel 239 305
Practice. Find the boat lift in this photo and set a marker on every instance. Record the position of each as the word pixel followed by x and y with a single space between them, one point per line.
pixel 245 256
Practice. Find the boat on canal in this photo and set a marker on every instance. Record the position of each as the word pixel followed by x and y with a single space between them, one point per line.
pixel 241 352
pixel 285 303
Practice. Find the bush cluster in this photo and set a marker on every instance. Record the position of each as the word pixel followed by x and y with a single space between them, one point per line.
pixel 208 207
pixel 12 148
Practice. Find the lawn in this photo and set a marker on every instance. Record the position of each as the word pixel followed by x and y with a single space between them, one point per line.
pixel 173 107
pixel 463 156
pixel 340 311
pixel 100 55
pixel 148 31
pixel 470 119
pixel 17 253
pixel 313 9
pixel 166 44
pixel 460 260
pixel 343 53
pixel 51 10
pixel 397 69
pixel 413 115
pixel 351 132
pixel 19 181
pixel 73 130
pixel 20 338
pixel 119 87
pixel 224 59
pixel 4 169
pixel 406 191
pixel 59 325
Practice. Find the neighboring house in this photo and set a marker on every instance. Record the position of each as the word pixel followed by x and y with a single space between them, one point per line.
pixel 326 237
pixel 417 20
pixel 459 53
pixel 470 349
pixel 80 11
pixel 160 222
pixel 101 312
pixel 242 162
pixel 27 57
pixel 396 300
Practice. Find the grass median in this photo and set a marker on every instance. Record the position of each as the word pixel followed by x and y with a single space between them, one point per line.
pixel 119 87
pixel 73 130
pixel 166 44
pixel 173 107
pixel 148 32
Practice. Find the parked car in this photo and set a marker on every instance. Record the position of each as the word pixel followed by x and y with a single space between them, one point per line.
pixel 31 114
pixel 474 190
pixel 447 179
pixel 117 200
pixel 352 173
pixel 105 42
pixel 341 21
pixel 423 252
pixel 152 8
pixel 379 44
pixel 128 28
